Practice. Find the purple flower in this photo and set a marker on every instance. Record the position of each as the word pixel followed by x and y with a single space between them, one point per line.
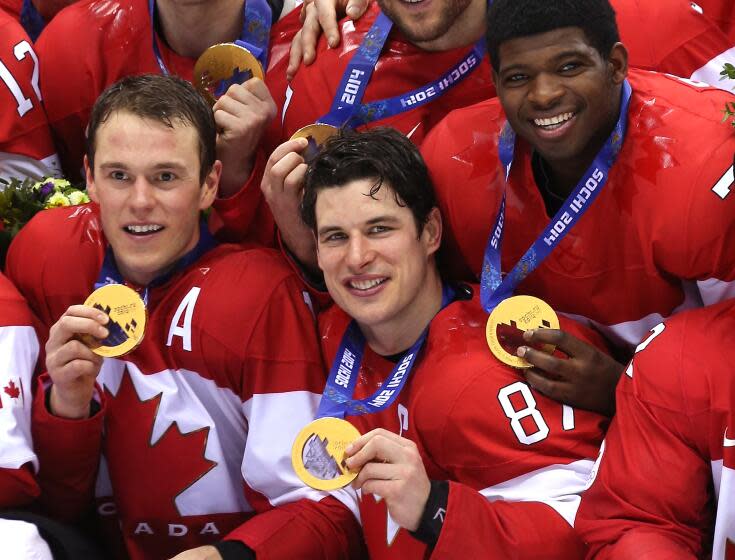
pixel 46 189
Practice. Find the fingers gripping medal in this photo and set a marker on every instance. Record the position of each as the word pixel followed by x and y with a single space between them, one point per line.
pixel 221 66
pixel 127 318
pixel 510 319
pixel 316 135
pixel 318 453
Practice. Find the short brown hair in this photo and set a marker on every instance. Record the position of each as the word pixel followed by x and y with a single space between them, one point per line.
pixel 164 99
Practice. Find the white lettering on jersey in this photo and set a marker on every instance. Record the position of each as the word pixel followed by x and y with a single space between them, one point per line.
pixel 143 528
pixel 24 103
pixel 186 308
pixel 289 95
pixel 176 530
pixel 515 416
pixel 107 508
pixel 210 528
pixel 655 331
pixel 402 419
pixel 723 187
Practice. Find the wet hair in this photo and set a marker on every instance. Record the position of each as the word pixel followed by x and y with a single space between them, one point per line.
pixel 165 99
pixel 510 19
pixel 382 155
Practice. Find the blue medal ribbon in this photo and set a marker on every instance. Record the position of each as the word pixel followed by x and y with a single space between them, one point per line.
pixel 255 35
pixel 337 398
pixel 347 108
pixel 109 273
pixel 494 288
pixel 31 20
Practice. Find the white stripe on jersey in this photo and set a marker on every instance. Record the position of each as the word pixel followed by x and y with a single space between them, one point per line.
pixel 724 185
pixel 16 165
pixel 558 486
pixel 710 72
pixel 18 354
pixel 274 422
pixel 714 291
pixel 630 333
pixel 724 481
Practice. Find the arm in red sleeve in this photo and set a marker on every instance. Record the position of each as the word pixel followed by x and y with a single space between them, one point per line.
pixel 244 217
pixel 475 527
pixel 69 454
pixel 304 529
pixel 18 487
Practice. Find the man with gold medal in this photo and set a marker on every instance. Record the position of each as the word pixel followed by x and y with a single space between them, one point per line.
pixel 174 394
pixel 457 453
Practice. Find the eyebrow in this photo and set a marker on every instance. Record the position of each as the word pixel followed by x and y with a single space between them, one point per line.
pixel 158 166
pixel 557 57
pixel 372 221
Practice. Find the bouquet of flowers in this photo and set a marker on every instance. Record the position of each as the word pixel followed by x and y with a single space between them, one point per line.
pixel 20 200
pixel 728 72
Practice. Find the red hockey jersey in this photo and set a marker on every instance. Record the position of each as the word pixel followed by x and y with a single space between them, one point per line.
pixel 18 353
pixel 516 460
pixel 91 45
pixel 26 149
pixel 200 418
pixel 667 470
pixel 722 12
pixel 659 238
pixel 682 43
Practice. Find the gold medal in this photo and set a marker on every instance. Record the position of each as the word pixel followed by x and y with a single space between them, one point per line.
pixel 316 134
pixel 510 319
pixel 126 326
pixel 222 65
pixel 318 453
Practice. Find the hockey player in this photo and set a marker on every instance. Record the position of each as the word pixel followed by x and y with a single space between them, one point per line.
pixel 18 353
pixel 467 460
pixel 655 155
pixel 198 417
pixel 665 484
pixel 26 149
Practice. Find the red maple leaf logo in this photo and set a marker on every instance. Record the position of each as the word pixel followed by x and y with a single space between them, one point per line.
pixel 11 390
pixel 148 477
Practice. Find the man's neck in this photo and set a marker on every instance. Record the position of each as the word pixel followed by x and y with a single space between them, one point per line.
pixel 399 335
pixel 465 31
pixel 190 28
pixel 566 174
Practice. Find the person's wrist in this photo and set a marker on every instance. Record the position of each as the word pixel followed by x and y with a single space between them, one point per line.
pixel 67 406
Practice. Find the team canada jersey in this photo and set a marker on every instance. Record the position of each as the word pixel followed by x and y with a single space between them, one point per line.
pixel 516 460
pixel 18 353
pixel 659 238
pixel 682 43
pixel 26 149
pixel 107 40
pixel 666 477
pixel 200 418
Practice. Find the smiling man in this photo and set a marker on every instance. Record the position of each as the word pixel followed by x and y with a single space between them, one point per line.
pixel 199 419
pixel 466 461
pixel 626 177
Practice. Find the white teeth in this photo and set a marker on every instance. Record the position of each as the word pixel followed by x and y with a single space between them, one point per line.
pixel 366 284
pixel 558 119
pixel 144 228
pixel 413 1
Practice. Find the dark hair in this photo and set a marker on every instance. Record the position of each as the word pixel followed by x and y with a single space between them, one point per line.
pixel 380 154
pixel 510 19
pixel 164 99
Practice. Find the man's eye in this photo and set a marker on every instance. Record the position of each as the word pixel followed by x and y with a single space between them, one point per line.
pixel 332 237
pixel 570 66
pixel 379 229
pixel 166 176
pixel 119 175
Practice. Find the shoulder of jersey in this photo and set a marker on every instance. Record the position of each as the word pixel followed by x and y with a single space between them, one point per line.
pixel 251 269
pixel 690 104
pixel 13 308
pixel 65 228
pixel 108 19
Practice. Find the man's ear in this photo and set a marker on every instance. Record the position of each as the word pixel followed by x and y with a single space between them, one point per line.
pixel 618 62
pixel 91 187
pixel 432 232
pixel 210 186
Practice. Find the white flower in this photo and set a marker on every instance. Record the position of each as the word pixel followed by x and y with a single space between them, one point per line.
pixel 57 199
